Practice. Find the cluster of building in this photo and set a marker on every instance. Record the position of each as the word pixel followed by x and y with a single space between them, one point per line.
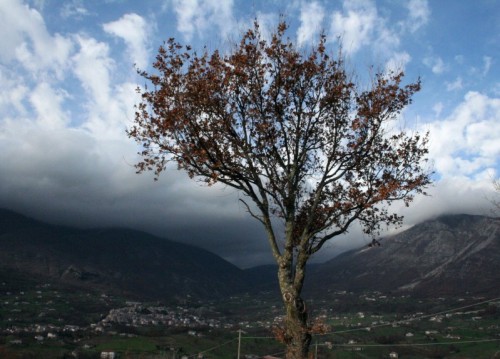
pixel 137 314
pixel 48 330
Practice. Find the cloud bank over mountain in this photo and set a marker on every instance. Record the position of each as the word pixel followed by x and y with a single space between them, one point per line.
pixel 68 94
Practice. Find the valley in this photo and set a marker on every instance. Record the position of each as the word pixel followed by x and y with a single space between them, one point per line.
pixel 428 292
pixel 47 321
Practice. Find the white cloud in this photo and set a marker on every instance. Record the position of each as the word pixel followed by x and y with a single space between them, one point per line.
pixel 436 64
pixel 387 40
pixel 132 28
pixel 419 14
pixel 47 103
pixel 398 62
pixel 438 108
pixel 455 85
pixel 465 150
pixel 451 195
pixel 92 65
pixel 466 143
pixel 105 107
pixel 13 93
pixel 488 61
pixel 484 137
pixel 74 8
pixel 359 26
pixel 29 41
pixel 356 25
pixel 311 18
pixel 203 16
pixel 187 23
pixel 267 24
pixel 496 89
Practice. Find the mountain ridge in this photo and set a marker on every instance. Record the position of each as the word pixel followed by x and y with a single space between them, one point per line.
pixel 448 255
pixel 130 260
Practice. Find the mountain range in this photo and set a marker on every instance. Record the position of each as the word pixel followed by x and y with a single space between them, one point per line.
pixel 124 261
pixel 445 256
pixel 450 255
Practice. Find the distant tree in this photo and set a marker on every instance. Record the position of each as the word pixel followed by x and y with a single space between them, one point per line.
pixel 294 134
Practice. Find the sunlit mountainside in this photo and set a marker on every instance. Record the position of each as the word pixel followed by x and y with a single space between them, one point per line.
pixel 450 255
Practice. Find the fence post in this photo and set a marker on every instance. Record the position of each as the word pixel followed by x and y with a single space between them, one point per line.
pixel 239 343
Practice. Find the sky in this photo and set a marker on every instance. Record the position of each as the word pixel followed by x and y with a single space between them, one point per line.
pixel 68 79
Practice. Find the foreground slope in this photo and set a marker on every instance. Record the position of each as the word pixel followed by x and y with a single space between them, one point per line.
pixel 122 261
pixel 447 256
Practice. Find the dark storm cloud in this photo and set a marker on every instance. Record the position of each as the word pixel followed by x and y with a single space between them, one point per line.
pixel 68 94
pixel 67 177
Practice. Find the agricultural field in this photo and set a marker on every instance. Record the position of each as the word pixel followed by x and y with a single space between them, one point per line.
pixel 41 321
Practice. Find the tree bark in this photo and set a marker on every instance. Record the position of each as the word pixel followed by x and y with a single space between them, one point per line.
pixel 296 335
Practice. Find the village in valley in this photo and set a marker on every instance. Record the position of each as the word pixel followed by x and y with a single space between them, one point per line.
pixel 48 322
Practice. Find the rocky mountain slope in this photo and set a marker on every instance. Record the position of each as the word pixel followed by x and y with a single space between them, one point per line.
pixel 446 256
pixel 449 255
pixel 115 260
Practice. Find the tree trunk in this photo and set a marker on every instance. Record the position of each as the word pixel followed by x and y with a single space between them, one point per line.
pixel 296 333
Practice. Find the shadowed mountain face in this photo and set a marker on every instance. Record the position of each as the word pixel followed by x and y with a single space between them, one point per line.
pixel 450 255
pixel 115 260
pixel 447 256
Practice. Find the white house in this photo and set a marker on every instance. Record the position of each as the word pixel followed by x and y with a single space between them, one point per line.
pixel 108 355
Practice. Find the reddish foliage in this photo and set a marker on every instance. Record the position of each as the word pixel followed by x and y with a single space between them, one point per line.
pixel 291 131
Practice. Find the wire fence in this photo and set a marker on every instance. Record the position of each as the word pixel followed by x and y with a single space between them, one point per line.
pixel 408 320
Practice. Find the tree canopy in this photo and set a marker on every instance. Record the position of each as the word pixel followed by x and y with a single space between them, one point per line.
pixel 294 133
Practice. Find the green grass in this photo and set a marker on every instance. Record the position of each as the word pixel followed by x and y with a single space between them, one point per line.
pixel 137 344
pixel 222 344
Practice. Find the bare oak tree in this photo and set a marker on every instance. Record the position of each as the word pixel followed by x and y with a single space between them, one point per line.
pixel 294 134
